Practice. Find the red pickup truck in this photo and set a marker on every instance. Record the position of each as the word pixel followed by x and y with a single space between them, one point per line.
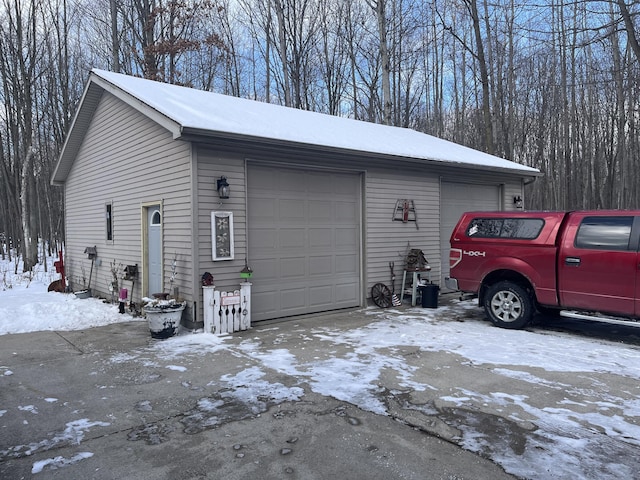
pixel 582 264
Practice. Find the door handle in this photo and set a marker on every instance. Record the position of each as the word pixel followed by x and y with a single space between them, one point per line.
pixel 572 261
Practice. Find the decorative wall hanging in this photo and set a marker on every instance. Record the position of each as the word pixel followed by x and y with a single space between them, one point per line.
pixel 405 211
pixel 222 235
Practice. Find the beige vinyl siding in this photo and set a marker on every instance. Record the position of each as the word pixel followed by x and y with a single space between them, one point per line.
pixel 512 189
pixel 211 165
pixel 127 160
pixel 387 240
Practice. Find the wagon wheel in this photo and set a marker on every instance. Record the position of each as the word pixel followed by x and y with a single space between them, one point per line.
pixel 381 295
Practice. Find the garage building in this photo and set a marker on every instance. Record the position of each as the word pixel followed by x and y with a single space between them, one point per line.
pixel 318 206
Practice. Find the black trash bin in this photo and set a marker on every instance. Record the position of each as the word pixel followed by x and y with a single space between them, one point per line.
pixel 429 295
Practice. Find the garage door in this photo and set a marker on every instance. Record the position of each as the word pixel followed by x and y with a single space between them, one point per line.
pixel 304 241
pixel 455 199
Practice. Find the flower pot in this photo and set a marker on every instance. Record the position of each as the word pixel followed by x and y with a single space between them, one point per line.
pixel 164 320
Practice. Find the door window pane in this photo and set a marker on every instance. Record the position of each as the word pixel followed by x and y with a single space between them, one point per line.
pixel 155 218
pixel 604 233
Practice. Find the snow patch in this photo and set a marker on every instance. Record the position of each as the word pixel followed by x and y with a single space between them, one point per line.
pixel 59 462
pixel 177 368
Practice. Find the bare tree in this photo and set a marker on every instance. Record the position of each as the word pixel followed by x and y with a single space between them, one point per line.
pixel 484 75
pixel 379 7
pixel 552 85
pixel 18 67
pixel 630 28
pixel 115 47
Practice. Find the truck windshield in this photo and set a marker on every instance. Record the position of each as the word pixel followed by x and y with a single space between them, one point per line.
pixel 523 228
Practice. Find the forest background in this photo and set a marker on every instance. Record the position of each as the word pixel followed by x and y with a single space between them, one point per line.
pixel 553 84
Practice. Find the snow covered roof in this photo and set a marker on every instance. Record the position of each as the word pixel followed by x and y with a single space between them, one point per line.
pixel 186 111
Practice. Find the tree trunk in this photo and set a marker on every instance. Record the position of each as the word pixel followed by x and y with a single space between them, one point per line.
pixel 30 246
pixel 630 28
pixel 379 8
pixel 282 50
pixel 115 58
pixel 484 78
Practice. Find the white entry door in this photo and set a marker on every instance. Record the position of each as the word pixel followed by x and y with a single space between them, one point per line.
pixel 154 250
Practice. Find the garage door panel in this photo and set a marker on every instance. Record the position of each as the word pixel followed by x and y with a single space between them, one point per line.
pixel 291 210
pixel 265 181
pixel 290 181
pixel 346 293
pixel 318 182
pixel 346 212
pixel 320 238
pixel 265 270
pixel 344 186
pixel 266 209
pixel 293 268
pixel 292 299
pixel 320 211
pixel 320 265
pixel 345 237
pixel 347 264
pixel 455 199
pixel 268 301
pixel 264 239
pixel 292 238
pixel 321 296
pixel 318 241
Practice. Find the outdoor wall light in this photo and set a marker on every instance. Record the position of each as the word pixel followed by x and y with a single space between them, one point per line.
pixel 517 201
pixel 223 188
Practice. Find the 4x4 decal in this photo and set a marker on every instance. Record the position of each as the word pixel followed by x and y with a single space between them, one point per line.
pixel 474 253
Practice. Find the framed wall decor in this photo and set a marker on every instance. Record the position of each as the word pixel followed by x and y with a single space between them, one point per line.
pixel 222 235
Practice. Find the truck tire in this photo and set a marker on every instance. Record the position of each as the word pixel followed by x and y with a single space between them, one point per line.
pixel 508 305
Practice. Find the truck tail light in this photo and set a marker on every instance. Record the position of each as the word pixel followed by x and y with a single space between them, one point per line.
pixel 455 256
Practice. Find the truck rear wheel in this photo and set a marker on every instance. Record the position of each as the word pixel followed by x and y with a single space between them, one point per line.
pixel 508 305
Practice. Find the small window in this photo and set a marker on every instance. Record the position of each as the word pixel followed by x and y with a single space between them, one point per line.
pixel 604 233
pixel 515 228
pixel 109 219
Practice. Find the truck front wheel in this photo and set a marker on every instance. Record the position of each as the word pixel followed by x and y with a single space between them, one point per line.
pixel 508 305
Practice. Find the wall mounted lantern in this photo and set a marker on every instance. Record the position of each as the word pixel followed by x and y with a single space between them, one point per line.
pixel 517 201
pixel 223 188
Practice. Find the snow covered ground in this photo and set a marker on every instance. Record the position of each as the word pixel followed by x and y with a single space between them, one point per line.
pixel 26 306
pixel 589 433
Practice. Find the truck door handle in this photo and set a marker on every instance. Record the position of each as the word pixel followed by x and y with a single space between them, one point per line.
pixel 572 261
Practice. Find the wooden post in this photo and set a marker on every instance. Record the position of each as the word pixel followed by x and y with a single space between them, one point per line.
pixel 245 305
pixel 208 306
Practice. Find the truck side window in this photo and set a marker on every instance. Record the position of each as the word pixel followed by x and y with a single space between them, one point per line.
pixel 521 228
pixel 604 233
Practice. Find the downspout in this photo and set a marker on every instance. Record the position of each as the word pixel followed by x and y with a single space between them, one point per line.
pixel 524 184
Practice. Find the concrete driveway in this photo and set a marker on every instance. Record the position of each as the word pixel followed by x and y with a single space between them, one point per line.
pixel 111 402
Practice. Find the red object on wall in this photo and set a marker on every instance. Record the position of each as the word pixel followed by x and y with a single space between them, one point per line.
pixel 59 264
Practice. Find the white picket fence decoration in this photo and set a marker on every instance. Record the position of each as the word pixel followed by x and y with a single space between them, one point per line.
pixel 227 312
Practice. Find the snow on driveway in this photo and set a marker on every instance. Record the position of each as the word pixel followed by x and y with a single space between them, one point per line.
pixel 589 430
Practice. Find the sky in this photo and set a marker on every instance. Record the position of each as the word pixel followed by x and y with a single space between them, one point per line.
pixel 598 443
